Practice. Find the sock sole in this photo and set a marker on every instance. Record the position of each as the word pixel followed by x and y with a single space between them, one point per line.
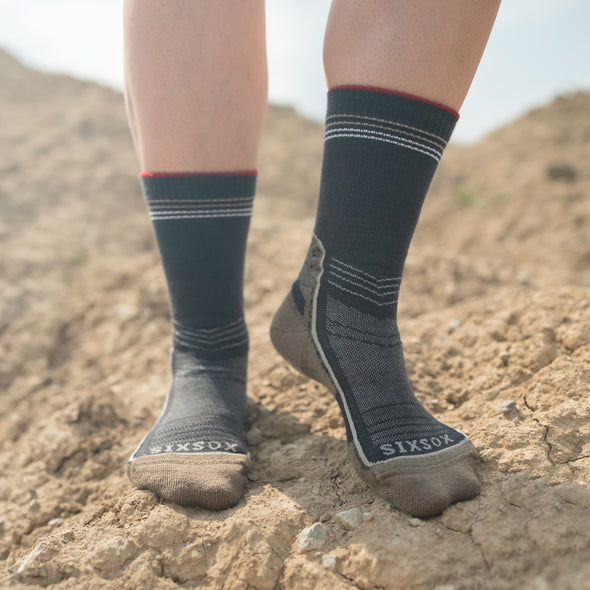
pixel 420 485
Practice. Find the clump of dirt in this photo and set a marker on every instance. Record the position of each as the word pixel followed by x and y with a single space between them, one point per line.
pixel 495 315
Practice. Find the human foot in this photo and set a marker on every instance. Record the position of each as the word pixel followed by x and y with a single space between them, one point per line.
pixel 195 454
pixel 335 326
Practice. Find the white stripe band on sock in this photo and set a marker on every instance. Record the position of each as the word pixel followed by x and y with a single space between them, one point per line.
pixel 422 149
pixel 437 139
pixel 438 146
pixel 379 134
pixel 198 213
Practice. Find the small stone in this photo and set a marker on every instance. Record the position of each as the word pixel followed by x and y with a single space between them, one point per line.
pixel 454 324
pixel 389 506
pixel 505 357
pixel 439 532
pixel 312 538
pixel 55 522
pixel 301 480
pixel 558 506
pixel 329 561
pixel 508 406
pixel 415 522
pixel 350 519
pixel 68 536
pixel 254 436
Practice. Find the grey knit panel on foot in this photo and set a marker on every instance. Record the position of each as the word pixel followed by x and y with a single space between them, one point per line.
pixel 195 453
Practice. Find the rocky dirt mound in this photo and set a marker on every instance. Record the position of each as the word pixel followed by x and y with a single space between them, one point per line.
pixel 495 317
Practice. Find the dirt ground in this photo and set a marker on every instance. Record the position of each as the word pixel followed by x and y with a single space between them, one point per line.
pixel 495 316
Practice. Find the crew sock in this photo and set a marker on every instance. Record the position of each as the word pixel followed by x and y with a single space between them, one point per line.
pixel 338 324
pixel 195 453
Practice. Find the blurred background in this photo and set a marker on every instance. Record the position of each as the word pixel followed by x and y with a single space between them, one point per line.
pixel 538 49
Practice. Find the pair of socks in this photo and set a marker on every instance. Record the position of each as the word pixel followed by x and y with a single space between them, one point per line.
pixel 337 325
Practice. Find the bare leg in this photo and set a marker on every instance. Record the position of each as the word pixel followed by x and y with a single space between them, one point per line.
pixel 196 83
pixel 429 48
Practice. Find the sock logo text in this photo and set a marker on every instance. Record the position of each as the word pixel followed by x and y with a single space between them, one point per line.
pixel 196 446
pixel 416 446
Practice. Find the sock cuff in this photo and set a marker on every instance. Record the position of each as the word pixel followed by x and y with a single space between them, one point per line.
pixel 451 110
pixel 194 186
pixel 382 105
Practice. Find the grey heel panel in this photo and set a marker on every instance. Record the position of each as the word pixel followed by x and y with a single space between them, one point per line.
pixel 293 342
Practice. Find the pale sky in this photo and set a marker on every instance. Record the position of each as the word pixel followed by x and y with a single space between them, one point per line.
pixel 538 49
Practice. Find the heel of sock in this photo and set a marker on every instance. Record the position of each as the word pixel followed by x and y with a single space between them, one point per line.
pixel 292 340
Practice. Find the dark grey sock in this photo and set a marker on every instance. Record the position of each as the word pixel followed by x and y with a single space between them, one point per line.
pixel 195 453
pixel 339 324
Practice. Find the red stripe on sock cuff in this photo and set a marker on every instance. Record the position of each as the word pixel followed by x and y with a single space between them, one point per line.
pixel 176 174
pixel 440 105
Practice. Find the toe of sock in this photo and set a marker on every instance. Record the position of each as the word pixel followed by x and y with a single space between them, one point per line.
pixel 427 491
pixel 213 481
